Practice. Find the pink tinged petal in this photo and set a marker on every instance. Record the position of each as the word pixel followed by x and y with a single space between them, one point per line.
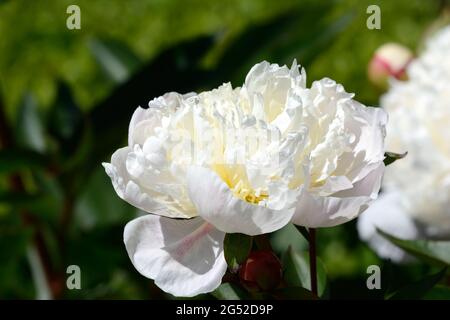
pixel 183 257
pixel 216 204
pixel 316 211
pixel 387 214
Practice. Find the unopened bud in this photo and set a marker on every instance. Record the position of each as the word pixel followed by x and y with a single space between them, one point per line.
pixel 390 60
pixel 261 271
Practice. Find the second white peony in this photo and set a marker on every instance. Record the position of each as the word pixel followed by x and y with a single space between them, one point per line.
pixel 415 203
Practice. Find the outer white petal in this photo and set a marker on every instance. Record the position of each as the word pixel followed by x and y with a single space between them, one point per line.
pixel 368 126
pixel 139 115
pixel 316 211
pixel 387 214
pixel 184 257
pixel 216 204
pixel 130 191
pixel 371 139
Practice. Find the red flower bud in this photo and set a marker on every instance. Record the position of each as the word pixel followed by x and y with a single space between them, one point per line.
pixel 261 271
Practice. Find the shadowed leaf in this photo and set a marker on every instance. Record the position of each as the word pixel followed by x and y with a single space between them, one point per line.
pixel 419 288
pixel 434 252
pixel 237 247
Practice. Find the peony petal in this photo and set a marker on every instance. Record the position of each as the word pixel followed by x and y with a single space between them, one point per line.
pixel 368 186
pixel 367 125
pixel 184 257
pixel 315 211
pixel 387 214
pixel 371 140
pixel 138 116
pixel 216 204
pixel 135 194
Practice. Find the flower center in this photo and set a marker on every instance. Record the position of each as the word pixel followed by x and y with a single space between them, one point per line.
pixel 250 195
pixel 236 179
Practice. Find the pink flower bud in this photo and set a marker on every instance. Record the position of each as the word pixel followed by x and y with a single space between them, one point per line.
pixel 261 271
pixel 390 60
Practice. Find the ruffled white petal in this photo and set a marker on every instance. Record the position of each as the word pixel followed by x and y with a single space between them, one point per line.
pixel 316 211
pixel 132 190
pixel 183 257
pixel 216 204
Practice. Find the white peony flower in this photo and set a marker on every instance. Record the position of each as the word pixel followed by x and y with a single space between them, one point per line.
pixel 244 160
pixel 419 111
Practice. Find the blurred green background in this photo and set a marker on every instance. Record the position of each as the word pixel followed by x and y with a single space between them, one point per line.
pixel 66 97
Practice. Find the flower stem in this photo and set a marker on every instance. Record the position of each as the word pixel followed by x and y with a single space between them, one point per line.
pixel 312 260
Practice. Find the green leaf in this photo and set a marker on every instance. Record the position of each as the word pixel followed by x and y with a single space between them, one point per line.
pixel 434 252
pixel 303 231
pixel 419 288
pixel 391 157
pixel 296 273
pixel 294 293
pixel 29 128
pixel 50 206
pixel 81 252
pixel 12 160
pixel 98 205
pixel 237 247
pixel 117 60
pixel 14 240
pixel 18 198
pixel 285 237
pixel 438 292
pixel 65 116
pixel 282 39
pixel 228 291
